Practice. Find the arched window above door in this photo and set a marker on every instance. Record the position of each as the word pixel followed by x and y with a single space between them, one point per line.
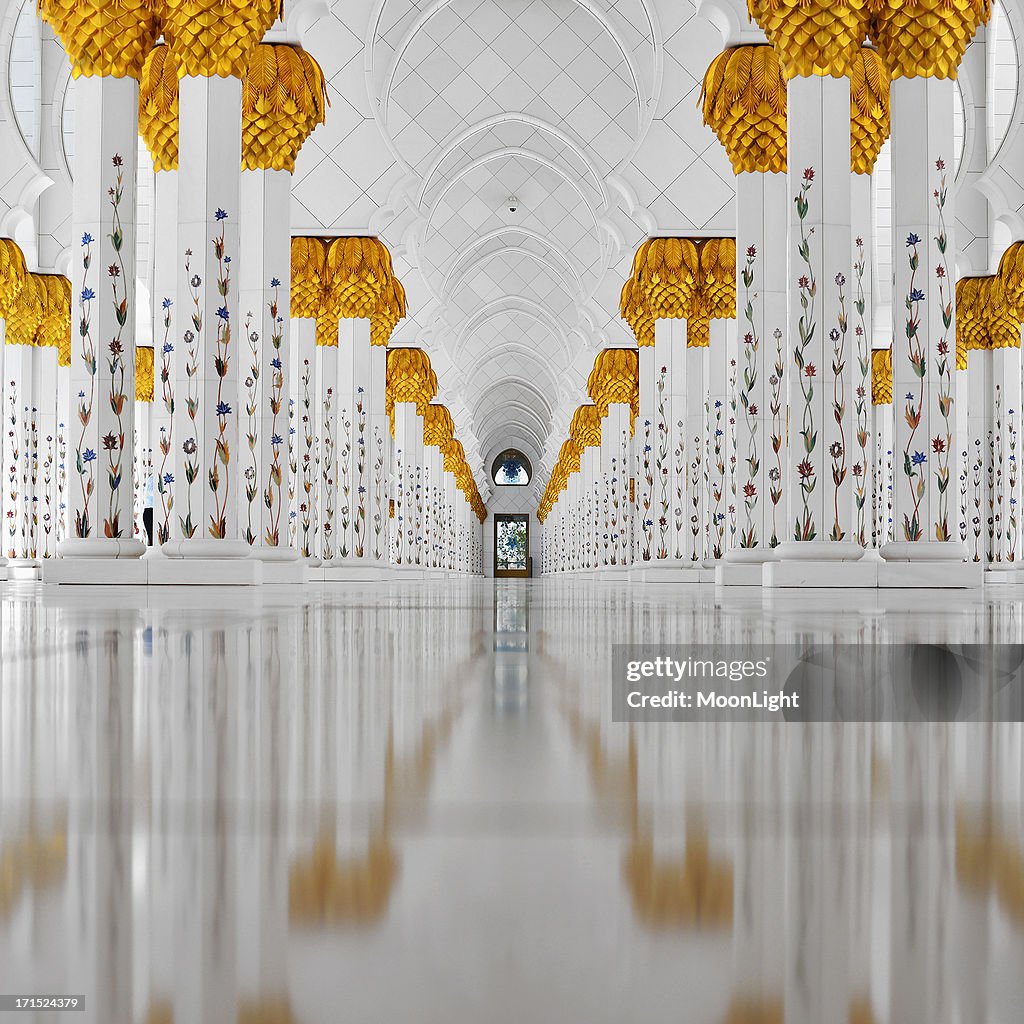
pixel 511 469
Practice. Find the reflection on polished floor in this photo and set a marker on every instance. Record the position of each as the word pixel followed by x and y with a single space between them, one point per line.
pixel 409 804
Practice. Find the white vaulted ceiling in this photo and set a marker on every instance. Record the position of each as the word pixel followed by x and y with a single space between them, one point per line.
pixel 585 111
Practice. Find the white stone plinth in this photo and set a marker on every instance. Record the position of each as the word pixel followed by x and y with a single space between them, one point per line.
pixel 224 572
pixel 100 548
pixel 669 572
pixel 101 571
pixel 340 570
pixel 820 573
pixel 934 574
pixel 739 574
pixel 284 572
pixel 23 570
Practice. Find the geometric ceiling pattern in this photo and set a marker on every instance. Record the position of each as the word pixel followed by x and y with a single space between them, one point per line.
pixel 513 155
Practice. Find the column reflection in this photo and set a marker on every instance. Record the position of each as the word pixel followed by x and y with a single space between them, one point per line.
pixel 348 805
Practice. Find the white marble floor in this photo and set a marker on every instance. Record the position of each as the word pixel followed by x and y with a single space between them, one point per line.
pixel 409 803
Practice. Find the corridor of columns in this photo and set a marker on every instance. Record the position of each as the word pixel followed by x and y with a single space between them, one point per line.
pixel 398 400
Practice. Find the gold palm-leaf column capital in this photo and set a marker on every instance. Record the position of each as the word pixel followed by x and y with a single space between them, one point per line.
pixel 27 312
pixel 813 37
pixel 667 271
pixel 569 458
pixel 869 109
pixel 1000 317
pixel 1011 275
pixel 284 100
pixel 635 310
pixel 309 276
pixel 743 99
pixel 718 277
pixel 103 37
pixel 454 455
pixel 881 376
pixel 144 374
pixel 925 38
pixel 410 378
pixel 391 310
pixel 615 378
pixel 215 38
pixel 971 329
pixel 12 274
pixel 585 427
pixel 438 428
pixel 54 329
pixel 158 107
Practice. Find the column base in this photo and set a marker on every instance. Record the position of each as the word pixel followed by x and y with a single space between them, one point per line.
pixel 207 549
pixel 742 567
pixel 103 548
pixel 205 572
pixel 825 574
pixel 670 571
pixel 118 572
pixel 928 565
pixel 24 570
pixel 996 574
pixel 353 571
pixel 284 572
pixel 931 575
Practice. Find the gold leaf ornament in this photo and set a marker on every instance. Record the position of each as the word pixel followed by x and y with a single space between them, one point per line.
pixel 54 329
pixel 158 108
pixel 410 378
pixel 284 100
pixel 869 109
pixel 925 38
pixel 309 276
pixel 585 427
pixel 743 99
pixel 615 379
pixel 144 378
pixel 27 312
pixel 438 428
pixel 103 37
pixel 12 274
pixel 215 38
pixel 881 376
pixel 813 37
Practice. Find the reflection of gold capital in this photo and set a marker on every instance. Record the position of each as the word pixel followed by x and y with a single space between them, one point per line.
pixel 585 428
pixel 926 38
pixel 614 379
pixel 755 1010
pixel 813 37
pixel 103 37
pixel 881 376
pixel 410 379
pixel 215 37
pixel 438 428
pixel 744 102
pixel 12 274
pixel 695 892
pixel 284 99
pixel 144 385
pixel 869 109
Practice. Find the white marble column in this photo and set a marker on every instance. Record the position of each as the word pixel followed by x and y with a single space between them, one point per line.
pixel 208 393
pixel 925 472
pixel 408 457
pixel 327 432
pixel 103 341
pixel 820 545
pixel 720 444
pixel 700 419
pixel 760 371
pixel 615 468
pixel 364 443
pixel 306 451
pixel 165 345
pixel 264 305
pixel 862 450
